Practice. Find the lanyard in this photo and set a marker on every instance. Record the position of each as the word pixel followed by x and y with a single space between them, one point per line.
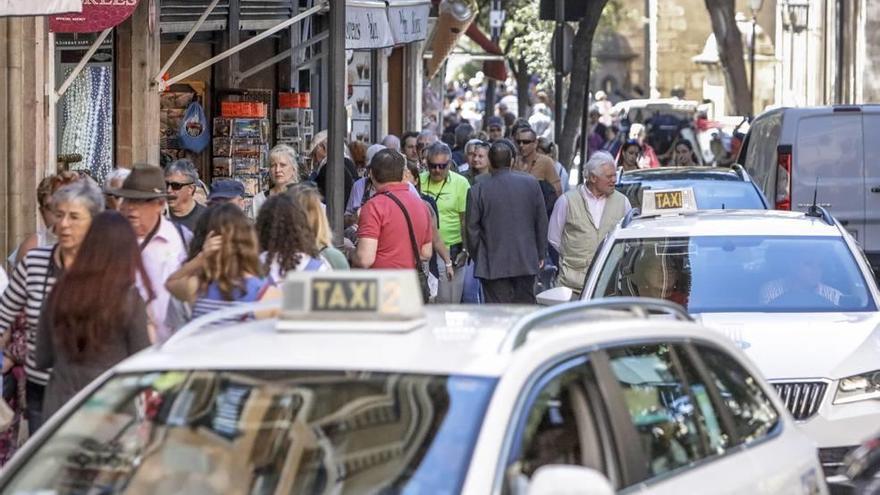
pixel 150 236
pixel 437 196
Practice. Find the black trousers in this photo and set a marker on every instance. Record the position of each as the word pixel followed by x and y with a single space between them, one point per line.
pixel 515 290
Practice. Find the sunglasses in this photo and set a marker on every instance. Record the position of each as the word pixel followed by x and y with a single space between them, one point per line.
pixel 177 186
pixel 524 141
pixel 438 166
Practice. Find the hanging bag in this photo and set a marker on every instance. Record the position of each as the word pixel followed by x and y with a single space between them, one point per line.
pixel 421 268
pixel 194 132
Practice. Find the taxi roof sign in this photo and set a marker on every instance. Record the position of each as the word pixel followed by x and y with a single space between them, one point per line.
pixel 346 301
pixel 668 201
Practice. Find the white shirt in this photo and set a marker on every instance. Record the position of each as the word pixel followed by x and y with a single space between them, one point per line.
pixel 162 256
pixel 595 205
pixel 4 281
pixel 303 265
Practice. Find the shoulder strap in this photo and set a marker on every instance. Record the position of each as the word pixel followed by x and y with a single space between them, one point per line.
pixel 409 225
pixel 182 236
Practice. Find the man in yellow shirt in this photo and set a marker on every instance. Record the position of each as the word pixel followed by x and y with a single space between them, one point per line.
pixel 449 190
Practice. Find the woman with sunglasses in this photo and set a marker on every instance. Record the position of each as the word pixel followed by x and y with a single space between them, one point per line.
pixel 283 173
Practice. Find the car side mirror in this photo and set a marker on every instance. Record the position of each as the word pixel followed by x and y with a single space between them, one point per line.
pixel 555 296
pixel 560 479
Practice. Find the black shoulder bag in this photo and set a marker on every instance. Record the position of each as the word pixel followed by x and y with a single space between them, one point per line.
pixel 420 270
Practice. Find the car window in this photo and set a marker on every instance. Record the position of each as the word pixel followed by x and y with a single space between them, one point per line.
pixel 558 427
pixel 761 274
pixel 660 404
pixel 751 410
pixel 264 432
pixel 760 158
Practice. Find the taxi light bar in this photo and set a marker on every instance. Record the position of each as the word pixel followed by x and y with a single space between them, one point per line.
pixel 668 201
pixel 351 301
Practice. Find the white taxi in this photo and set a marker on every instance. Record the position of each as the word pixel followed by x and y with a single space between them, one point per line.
pixel 792 289
pixel 356 388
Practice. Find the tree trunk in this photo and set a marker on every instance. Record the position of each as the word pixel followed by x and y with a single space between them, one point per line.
pixel 730 52
pixel 580 78
pixel 523 77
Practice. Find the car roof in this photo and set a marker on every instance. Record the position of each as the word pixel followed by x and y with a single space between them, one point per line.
pixel 463 340
pixel 728 223
pixel 680 173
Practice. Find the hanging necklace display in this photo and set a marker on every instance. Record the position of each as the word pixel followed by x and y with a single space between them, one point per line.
pixel 87 125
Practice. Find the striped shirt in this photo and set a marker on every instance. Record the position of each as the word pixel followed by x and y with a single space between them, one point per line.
pixel 29 286
pixel 212 300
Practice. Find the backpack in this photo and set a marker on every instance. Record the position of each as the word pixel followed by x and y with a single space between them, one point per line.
pixel 194 133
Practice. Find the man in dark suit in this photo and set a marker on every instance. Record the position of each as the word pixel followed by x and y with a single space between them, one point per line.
pixel 506 229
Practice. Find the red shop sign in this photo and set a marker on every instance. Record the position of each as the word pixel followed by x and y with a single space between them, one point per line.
pixel 96 15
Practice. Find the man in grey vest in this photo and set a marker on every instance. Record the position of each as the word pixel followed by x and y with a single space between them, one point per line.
pixel 583 216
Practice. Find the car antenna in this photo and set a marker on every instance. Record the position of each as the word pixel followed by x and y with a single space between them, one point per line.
pixel 813 211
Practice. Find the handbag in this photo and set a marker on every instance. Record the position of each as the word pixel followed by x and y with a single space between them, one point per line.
pixel 420 267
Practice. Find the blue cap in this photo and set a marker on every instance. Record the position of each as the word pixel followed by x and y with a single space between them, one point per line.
pixel 226 189
pixel 495 121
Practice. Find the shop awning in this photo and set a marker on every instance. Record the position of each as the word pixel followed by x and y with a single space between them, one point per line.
pixel 366 25
pixel 495 69
pixel 94 17
pixel 38 7
pixel 409 20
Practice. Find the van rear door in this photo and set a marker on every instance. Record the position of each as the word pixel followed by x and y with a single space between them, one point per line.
pixel 871 241
pixel 829 151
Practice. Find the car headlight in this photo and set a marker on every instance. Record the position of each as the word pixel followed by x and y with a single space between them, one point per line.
pixel 858 387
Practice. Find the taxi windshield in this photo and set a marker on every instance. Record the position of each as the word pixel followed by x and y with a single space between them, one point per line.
pixel 264 432
pixel 738 274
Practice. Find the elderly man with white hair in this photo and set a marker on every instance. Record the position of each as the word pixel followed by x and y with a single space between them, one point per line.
pixel 583 216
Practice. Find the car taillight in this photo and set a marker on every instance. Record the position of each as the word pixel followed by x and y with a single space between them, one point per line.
pixel 783 177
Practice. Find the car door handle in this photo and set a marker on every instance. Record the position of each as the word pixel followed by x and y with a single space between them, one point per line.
pixel 875 189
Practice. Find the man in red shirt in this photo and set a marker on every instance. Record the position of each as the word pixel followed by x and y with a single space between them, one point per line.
pixel 384 239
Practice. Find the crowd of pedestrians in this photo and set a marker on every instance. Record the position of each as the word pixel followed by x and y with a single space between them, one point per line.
pixel 118 267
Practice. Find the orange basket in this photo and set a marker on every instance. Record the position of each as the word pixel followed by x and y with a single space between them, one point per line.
pixel 288 100
pixel 243 109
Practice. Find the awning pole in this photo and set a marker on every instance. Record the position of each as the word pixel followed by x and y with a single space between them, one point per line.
pixel 241 76
pixel 241 46
pixel 81 65
pixel 336 127
pixel 192 32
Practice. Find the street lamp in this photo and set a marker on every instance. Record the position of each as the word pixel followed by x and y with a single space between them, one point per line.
pixel 755 6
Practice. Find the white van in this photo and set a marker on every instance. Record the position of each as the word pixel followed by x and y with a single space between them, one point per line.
pixel 793 152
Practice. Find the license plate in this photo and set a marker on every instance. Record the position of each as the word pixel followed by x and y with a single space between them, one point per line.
pixel 668 200
pixel 345 295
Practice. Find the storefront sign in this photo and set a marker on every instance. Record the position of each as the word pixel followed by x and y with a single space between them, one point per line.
pixel 366 26
pixel 409 20
pixel 96 15
pixel 38 7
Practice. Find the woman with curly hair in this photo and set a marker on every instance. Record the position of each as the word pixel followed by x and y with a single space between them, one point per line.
pixel 227 271
pixel 287 239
